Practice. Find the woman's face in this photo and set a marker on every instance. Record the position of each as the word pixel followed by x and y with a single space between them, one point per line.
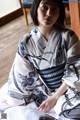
pixel 48 13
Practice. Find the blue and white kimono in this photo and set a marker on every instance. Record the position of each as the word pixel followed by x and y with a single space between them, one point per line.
pixel 40 66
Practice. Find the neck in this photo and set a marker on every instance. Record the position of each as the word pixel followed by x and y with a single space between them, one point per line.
pixel 45 31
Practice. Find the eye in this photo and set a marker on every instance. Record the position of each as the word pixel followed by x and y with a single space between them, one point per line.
pixel 54 9
pixel 44 7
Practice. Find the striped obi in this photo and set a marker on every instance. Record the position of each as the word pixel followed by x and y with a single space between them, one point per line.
pixel 52 76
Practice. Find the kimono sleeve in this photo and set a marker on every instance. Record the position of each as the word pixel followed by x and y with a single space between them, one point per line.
pixel 24 84
pixel 72 74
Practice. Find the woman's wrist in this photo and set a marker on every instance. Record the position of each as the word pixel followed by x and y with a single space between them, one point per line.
pixel 60 91
pixel 57 96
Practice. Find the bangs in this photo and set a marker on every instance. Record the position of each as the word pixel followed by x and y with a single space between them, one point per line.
pixel 51 2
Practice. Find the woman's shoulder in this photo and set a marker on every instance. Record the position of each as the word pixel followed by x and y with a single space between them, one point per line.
pixel 27 37
pixel 25 44
pixel 67 31
pixel 22 45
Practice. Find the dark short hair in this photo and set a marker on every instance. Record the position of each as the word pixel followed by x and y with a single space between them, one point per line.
pixel 61 17
pixel 46 117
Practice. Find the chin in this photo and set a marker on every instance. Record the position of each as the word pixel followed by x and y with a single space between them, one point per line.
pixel 48 25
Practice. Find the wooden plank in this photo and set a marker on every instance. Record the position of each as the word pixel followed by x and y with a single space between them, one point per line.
pixel 11 16
pixel 10 35
pixel 75 17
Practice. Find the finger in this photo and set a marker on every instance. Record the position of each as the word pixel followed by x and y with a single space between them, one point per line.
pixel 4 101
pixel 44 107
pixel 41 106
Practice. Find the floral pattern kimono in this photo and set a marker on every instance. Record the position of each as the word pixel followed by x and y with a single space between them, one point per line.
pixel 40 66
pixel 38 61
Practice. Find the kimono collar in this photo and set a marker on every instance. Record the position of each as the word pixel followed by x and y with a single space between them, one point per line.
pixel 39 38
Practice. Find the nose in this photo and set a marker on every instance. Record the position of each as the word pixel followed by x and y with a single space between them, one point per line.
pixel 48 12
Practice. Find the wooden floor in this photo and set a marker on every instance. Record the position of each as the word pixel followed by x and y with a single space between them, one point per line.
pixel 9 37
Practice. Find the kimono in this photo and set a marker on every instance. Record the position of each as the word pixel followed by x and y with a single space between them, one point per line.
pixel 40 66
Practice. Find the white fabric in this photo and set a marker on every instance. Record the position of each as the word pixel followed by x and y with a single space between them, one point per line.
pixel 27 112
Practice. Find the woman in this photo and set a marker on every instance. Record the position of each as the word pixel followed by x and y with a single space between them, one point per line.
pixel 46 59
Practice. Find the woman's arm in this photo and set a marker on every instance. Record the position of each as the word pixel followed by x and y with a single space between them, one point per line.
pixel 48 104
pixel 24 84
pixel 72 70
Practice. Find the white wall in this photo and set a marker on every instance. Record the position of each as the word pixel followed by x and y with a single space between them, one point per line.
pixel 8 6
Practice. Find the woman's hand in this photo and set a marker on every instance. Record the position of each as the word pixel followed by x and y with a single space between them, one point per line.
pixel 48 104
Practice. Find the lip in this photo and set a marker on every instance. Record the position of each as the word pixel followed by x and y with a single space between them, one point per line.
pixel 48 20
